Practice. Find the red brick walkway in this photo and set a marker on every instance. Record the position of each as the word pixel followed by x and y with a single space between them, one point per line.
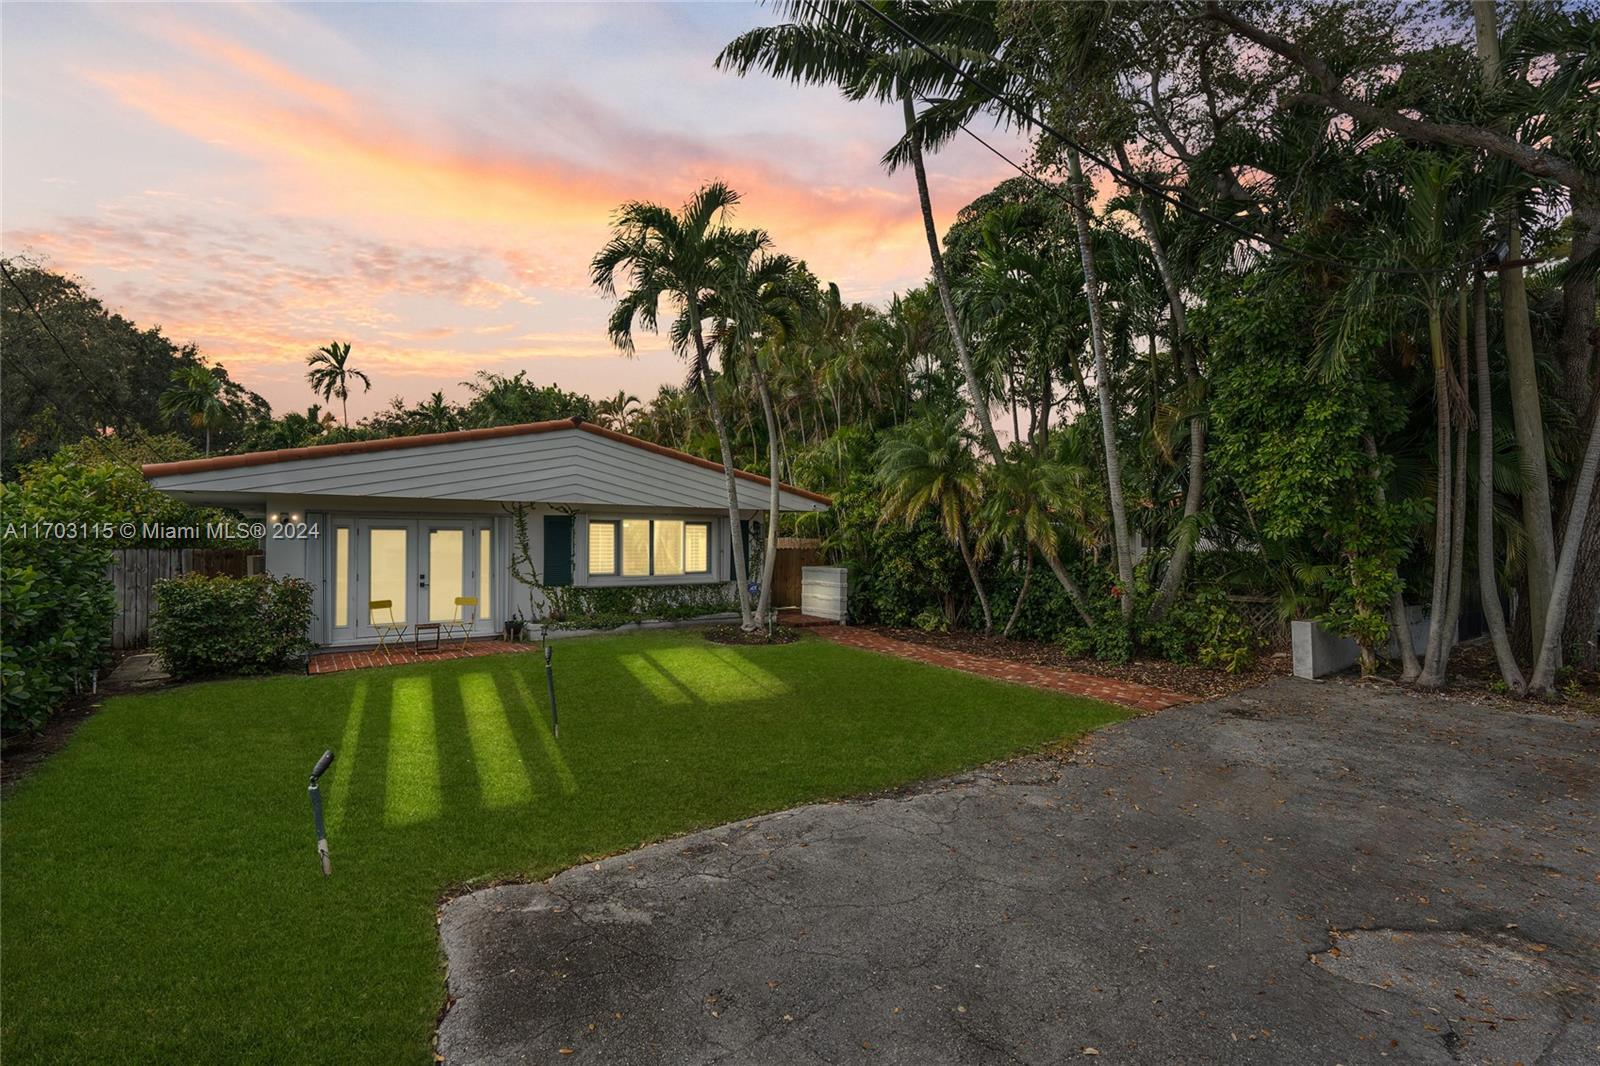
pixel 1111 690
pixel 330 662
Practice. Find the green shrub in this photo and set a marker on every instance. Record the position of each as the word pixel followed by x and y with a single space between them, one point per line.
pixel 204 626
pixel 576 607
pixel 56 604
pixel 896 574
pixel 1204 628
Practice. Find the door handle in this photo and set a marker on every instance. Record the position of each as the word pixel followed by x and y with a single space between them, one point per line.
pixel 422 581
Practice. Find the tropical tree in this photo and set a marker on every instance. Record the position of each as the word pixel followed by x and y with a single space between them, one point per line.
pixel 619 411
pixel 194 399
pixel 930 464
pixel 848 45
pixel 1024 502
pixel 331 375
pixel 760 302
pixel 679 256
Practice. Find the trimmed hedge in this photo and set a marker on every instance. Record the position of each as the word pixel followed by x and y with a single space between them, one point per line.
pixel 578 607
pixel 204 626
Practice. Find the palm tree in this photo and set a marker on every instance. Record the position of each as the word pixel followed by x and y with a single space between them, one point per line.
pixel 679 256
pixel 930 464
pixel 619 411
pixel 331 375
pixel 1077 188
pixel 437 415
pixel 1026 496
pixel 195 399
pixel 1430 218
pixel 762 297
pixel 837 43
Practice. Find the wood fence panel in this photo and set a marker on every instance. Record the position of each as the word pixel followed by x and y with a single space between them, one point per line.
pixel 794 554
pixel 133 575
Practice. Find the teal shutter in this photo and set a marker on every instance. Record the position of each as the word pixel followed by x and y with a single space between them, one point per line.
pixel 558 550
pixel 744 538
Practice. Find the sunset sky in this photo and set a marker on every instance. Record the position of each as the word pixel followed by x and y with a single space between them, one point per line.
pixel 425 182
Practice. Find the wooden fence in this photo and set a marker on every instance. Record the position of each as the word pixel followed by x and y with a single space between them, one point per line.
pixel 135 571
pixel 794 554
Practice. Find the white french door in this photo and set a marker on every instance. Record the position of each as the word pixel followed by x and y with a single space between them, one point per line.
pixel 417 568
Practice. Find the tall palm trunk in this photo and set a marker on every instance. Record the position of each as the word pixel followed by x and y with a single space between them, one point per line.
pixel 1022 593
pixel 1544 671
pixel 1399 618
pixel 977 582
pixel 1488 590
pixel 1172 581
pixel 1069 586
pixel 1108 421
pixel 1575 354
pixel 1526 416
pixel 1433 664
pixel 737 534
pixel 1458 491
pixel 980 400
pixel 770 556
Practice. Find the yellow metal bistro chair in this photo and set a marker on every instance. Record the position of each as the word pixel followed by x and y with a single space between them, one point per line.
pixel 461 624
pixel 387 628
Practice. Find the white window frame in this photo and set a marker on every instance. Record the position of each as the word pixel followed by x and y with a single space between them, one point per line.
pixel 616 575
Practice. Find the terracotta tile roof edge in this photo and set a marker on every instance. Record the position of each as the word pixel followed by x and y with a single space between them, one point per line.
pixel 361 447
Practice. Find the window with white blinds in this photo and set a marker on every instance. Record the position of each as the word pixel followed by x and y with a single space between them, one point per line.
pixel 648 547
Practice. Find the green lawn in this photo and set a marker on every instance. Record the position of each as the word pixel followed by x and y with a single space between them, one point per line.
pixel 161 899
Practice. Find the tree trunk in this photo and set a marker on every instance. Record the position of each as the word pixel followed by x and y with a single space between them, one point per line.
pixel 1102 374
pixel 1434 663
pixel 1583 609
pixel 977 582
pixel 769 559
pixel 1458 532
pixel 980 400
pixel 1022 594
pixel 1526 415
pixel 1575 353
pixel 1544 672
pixel 1458 491
pixel 736 533
pixel 1488 588
pixel 1399 620
pixel 1047 401
pixel 1183 549
pixel 1069 586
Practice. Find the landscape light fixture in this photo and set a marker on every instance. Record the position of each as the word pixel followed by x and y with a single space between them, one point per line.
pixel 550 686
pixel 316 811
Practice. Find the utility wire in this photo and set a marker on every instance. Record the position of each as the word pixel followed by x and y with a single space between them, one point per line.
pixel 1027 116
pixel 88 378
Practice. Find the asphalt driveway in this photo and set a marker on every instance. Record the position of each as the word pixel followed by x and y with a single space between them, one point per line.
pixel 1302 873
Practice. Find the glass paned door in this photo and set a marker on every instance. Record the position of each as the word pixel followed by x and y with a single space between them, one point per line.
pixel 386 571
pixel 447 574
pixel 420 567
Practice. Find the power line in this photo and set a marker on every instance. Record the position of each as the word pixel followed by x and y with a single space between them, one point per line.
pixel 1028 117
pixel 87 377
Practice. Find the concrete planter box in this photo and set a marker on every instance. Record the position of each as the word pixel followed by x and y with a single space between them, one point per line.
pixel 1318 653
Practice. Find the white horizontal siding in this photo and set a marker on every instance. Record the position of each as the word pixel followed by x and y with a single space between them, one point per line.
pixel 564 467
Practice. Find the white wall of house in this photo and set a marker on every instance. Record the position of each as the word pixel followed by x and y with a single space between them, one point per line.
pixel 313 557
pixel 429 487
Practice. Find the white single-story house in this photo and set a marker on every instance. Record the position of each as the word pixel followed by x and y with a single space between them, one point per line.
pixel 420 521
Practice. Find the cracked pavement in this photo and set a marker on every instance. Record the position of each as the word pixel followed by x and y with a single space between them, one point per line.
pixel 1301 873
